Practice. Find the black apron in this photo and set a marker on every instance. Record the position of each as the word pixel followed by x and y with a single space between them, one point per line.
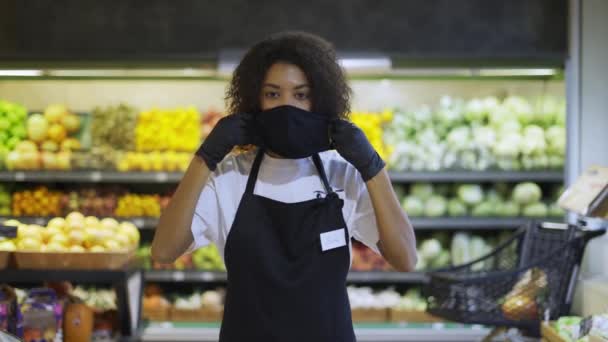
pixel 281 285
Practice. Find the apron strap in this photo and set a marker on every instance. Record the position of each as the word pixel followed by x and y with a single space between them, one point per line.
pixel 321 170
pixel 255 168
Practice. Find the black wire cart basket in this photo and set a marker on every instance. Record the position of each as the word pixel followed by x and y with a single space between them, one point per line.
pixel 526 279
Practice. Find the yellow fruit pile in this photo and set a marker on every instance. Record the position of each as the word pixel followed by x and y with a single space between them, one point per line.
pixel 372 125
pixel 154 161
pixel 168 130
pixel 138 206
pixel 75 233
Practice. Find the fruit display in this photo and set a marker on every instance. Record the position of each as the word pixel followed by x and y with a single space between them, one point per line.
pixel 168 130
pixel 132 205
pixel 153 161
pixel 205 258
pixel 476 200
pixel 95 158
pixel 411 301
pixel 372 124
pixel 98 299
pixel 37 202
pixel 12 127
pixel 76 233
pixel 479 134
pixel 114 127
pixel 92 201
pixel 364 259
pixel 367 298
pixel 49 141
pixel 5 201
pixel 207 299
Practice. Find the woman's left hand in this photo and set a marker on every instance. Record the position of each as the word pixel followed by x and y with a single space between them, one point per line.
pixel 352 144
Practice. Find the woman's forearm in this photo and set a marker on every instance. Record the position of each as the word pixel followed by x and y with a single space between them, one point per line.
pixel 397 239
pixel 173 235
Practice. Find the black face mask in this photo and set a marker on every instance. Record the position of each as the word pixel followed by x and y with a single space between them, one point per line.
pixel 292 132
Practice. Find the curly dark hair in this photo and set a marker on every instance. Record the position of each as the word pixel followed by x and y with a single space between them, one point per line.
pixel 330 93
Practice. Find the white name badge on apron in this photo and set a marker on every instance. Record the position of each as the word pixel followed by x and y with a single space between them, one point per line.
pixel 333 239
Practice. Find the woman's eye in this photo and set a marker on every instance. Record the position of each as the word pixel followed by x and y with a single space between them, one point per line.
pixel 301 96
pixel 271 94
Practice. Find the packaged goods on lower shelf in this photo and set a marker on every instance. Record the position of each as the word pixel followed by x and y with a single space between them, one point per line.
pixel 206 306
pixel 388 305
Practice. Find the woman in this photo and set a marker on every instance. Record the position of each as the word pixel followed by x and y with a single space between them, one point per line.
pixel 282 215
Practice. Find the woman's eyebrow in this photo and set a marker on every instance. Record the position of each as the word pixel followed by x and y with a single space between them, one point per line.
pixel 272 85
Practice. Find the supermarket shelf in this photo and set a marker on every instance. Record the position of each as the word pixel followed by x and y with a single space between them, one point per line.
pixel 79 276
pixel 90 177
pixel 475 223
pixel 436 332
pixel 174 177
pixel 140 222
pixel 477 176
pixel 420 224
pixel 187 276
pixel 356 277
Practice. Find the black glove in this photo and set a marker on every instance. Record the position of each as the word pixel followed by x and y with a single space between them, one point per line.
pixel 352 144
pixel 232 130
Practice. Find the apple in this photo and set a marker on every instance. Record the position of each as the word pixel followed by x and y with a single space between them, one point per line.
pixel 131 231
pixel 77 236
pixel 75 220
pixel 51 231
pixel 112 245
pixel 123 240
pixel 29 244
pixel 97 249
pixel 58 222
pixel 29 231
pixel 109 223
pixel 8 245
pixel 91 221
pixel 77 249
pixel 61 239
pixel 55 247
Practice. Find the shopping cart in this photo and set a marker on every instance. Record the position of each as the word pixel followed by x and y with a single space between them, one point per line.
pixel 526 279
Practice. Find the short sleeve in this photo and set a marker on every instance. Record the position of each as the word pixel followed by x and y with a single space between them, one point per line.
pixel 206 220
pixel 362 221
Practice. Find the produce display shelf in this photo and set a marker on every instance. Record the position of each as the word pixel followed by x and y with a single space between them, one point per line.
pixel 79 276
pixel 379 332
pixel 476 223
pixel 174 177
pixel 477 176
pixel 139 222
pixel 419 223
pixel 90 177
pixel 354 276
pixel 127 282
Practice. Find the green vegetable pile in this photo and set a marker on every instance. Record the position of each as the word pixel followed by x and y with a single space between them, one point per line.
pixel 480 134
pixel 498 200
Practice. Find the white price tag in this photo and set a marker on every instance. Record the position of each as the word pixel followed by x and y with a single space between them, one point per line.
pixel 95 176
pixel 139 223
pixel 178 275
pixel 438 326
pixel 333 239
pixel 162 177
pixel 207 276
pixel 19 176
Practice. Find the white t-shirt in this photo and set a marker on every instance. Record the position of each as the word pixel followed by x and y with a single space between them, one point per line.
pixel 285 180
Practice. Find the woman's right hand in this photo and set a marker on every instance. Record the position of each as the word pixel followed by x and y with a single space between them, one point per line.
pixel 232 130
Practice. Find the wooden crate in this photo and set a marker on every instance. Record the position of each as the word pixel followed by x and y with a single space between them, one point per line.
pixel 412 316
pixel 72 260
pixel 196 315
pixel 370 315
pixel 156 314
pixel 4 258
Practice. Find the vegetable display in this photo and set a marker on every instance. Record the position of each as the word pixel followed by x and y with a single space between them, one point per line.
pixel 479 134
pixel 476 200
